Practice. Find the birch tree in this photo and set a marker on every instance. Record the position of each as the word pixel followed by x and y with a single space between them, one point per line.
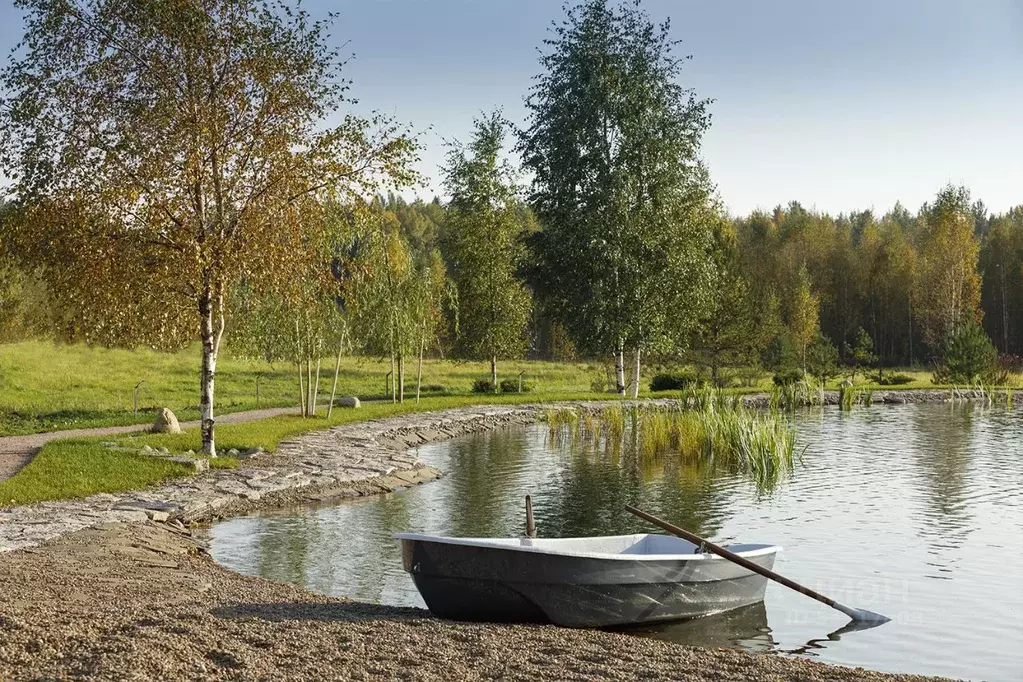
pixel 483 241
pixel 167 150
pixel 947 291
pixel 618 187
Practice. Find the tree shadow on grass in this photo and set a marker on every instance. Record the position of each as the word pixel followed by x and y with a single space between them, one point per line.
pixel 329 611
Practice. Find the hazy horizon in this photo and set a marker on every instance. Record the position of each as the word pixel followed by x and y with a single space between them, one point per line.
pixel 839 107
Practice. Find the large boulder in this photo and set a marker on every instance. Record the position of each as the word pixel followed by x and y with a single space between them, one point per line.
pixel 166 422
pixel 350 401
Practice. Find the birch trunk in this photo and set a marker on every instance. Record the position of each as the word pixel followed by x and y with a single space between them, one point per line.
pixel 309 385
pixel 635 374
pixel 210 348
pixel 333 388
pixel 316 386
pixel 620 369
pixel 298 364
pixel 493 372
pixel 394 394
pixel 401 377
pixel 419 370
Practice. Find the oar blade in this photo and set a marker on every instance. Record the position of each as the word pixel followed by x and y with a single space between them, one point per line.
pixel 864 616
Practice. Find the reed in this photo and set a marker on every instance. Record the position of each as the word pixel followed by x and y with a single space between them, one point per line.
pixel 718 432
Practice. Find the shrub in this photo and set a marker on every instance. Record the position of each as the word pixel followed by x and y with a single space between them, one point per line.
pixel 512 386
pixel 483 386
pixel 788 377
pixel 676 381
pixel 968 357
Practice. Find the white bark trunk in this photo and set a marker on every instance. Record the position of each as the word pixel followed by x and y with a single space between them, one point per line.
pixel 301 390
pixel 401 377
pixel 337 371
pixel 493 373
pixel 316 386
pixel 208 370
pixel 635 375
pixel 419 371
pixel 620 370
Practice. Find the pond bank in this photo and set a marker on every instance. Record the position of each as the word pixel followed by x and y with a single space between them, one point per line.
pixel 141 601
pixel 350 460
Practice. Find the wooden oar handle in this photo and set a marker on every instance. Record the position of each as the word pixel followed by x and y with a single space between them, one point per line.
pixel 732 556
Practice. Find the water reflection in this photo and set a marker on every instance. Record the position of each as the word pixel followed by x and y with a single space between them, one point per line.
pixel 744 628
pixel 885 501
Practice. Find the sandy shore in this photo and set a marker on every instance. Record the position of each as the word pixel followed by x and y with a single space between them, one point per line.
pixel 143 602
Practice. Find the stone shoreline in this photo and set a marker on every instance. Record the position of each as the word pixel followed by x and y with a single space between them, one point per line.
pixel 350 460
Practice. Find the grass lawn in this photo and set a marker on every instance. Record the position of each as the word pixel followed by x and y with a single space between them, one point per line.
pixel 48 387
pixel 77 468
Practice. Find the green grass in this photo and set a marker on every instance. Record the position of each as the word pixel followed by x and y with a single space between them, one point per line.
pixel 77 468
pixel 48 387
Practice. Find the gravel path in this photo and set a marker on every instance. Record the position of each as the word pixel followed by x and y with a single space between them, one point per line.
pixel 17 451
pixel 143 602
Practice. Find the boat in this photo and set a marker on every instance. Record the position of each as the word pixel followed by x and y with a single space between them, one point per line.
pixel 590 582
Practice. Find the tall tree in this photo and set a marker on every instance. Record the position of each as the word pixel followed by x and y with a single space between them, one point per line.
pixel 948 286
pixel 612 142
pixel 168 150
pixel 483 239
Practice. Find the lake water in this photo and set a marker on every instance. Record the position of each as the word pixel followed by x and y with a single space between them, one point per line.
pixel 912 511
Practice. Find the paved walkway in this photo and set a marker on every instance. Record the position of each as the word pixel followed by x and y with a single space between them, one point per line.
pixel 17 451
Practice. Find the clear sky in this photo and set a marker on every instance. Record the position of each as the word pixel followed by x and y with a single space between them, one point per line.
pixel 840 105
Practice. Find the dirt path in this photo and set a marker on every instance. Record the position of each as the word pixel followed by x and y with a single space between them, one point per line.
pixel 17 451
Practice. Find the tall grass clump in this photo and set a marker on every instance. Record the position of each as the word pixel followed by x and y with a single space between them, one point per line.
pixel 717 431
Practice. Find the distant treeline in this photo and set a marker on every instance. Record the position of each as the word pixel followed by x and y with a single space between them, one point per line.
pixel 869 271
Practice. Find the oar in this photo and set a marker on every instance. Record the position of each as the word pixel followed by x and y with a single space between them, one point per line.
pixel 861 615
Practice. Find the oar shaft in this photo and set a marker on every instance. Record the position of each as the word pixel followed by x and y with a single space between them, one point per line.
pixel 735 558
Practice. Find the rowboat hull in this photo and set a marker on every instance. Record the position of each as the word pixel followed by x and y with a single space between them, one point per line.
pixel 542 582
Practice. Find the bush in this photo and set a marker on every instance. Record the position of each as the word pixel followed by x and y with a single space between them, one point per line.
pixel 512 386
pixel 788 377
pixel 894 379
pixel 483 386
pixel 676 381
pixel 968 357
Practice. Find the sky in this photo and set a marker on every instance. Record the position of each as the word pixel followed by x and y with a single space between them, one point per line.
pixel 840 105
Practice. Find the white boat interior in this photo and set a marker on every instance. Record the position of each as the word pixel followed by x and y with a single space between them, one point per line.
pixel 648 546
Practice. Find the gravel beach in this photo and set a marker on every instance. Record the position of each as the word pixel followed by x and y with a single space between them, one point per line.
pixel 144 602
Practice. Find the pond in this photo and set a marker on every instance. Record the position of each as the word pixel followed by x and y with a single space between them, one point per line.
pixel 913 511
